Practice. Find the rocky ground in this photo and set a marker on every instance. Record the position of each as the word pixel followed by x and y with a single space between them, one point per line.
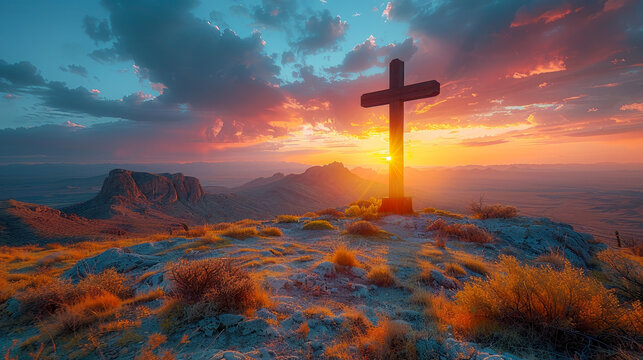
pixel 305 287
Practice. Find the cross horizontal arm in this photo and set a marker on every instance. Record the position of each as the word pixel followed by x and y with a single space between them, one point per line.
pixel 409 92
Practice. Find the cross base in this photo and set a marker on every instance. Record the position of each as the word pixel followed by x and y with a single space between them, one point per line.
pixel 400 206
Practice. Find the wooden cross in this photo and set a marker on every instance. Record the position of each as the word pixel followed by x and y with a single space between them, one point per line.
pixel 395 96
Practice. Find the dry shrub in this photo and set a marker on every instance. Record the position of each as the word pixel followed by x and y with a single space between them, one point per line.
pixel 270 231
pixel 82 313
pixel 566 309
pixel 362 227
pixel 318 225
pixel 463 232
pixel 438 212
pixel 219 283
pixel 284 219
pixel 330 212
pixel 381 275
pixel 309 215
pixel 554 258
pixel 389 340
pixel 475 265
pixel 344 256
pixel 625 272
pixel 454 269
pixel 481 211
pixel 53 294
pixel 240 233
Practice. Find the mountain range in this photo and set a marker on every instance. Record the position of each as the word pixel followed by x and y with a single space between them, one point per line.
pixel 131 202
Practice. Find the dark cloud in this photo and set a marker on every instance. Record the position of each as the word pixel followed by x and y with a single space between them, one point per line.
pixel 287 57
pixel 75 69
pixel 13 77
pixel 367 55
pixel 198 63
pixel 274 13
pixel 97 30
pixel 322 31
pixel 218 18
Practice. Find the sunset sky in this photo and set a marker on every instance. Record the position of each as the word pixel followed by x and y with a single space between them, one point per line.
pixel 181 81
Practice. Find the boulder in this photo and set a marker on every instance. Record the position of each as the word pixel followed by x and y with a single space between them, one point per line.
pixel 228 320
pixel 325 268
pixel 229 355
pixel 117 258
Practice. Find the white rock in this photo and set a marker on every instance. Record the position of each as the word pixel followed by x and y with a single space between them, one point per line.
pixel 359 272
pixel 117 258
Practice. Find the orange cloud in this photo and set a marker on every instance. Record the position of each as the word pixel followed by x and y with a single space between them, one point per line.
pixel 552 66
pixel 633 106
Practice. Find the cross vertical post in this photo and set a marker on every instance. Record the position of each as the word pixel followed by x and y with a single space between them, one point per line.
pixel 396 133
pixel 394 97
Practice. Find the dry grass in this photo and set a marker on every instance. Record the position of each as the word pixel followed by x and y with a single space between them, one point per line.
pixel 318 225
pixel 363 228
pixel 220 226
pixel 303 330
pixel 150 350
pixel 365 209
pixel 304 258
pixel 454 269
pixel 270 231
pixel 564 309
pixel 317 311
pixel 481 211
pixel 285 219
pixel 343 256
pixel 389 340
pixel 446 213
pixel 53 293
pixel 462 232
pixel 330 212
pixel 86 311
pixel 218 284
pixel 240 233
pixel 475 265
pixel 248 222
pixel 381 275
pixel 556 259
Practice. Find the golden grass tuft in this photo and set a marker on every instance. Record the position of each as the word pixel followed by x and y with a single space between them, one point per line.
pixel 317 311
pixel 381 275
pixel 363 228
pixel 303 330
pixel 481 211
pixel 334 213
pixel 240 232
pixel 270 231
pixel 304 258
pixel 318 225
pixel 343 256
pixel 82 313
pixel 454 269
pixel 462 232
pixel 554 258
pixel 220 226
pixel 624 272
pixel 446 213
pixel 285 219
pixel 151 348
pixel 389 340
pixel 475 265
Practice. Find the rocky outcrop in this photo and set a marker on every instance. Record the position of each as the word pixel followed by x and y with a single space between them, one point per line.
pixel 139 191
